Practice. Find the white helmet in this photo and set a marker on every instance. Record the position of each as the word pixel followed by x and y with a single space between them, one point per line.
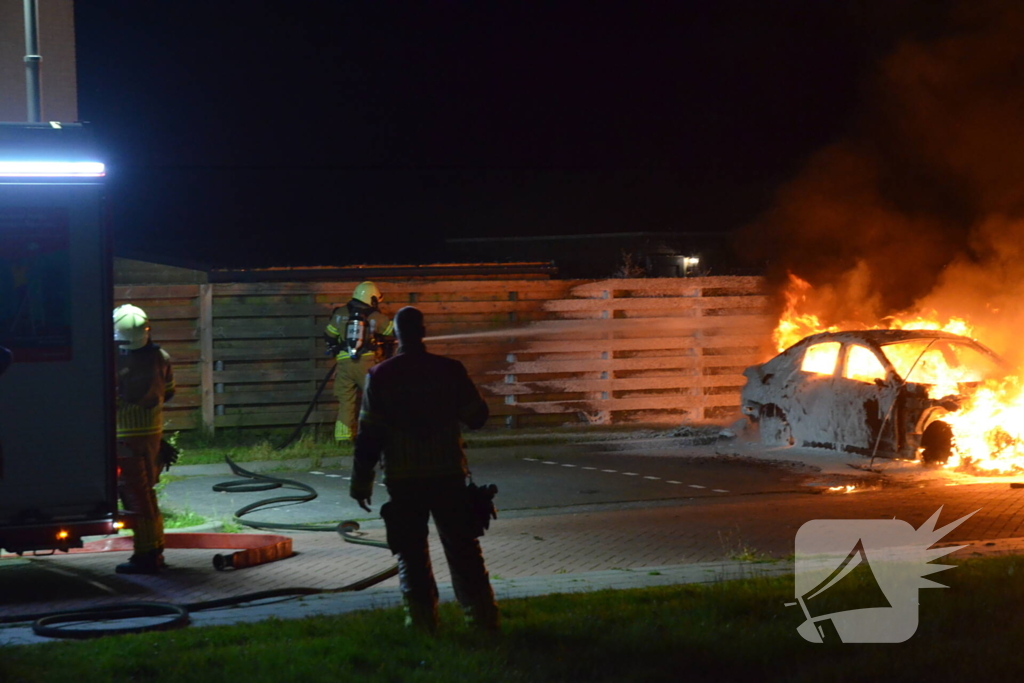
pixel 131 327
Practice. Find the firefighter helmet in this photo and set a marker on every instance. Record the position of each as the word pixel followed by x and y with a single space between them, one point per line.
pixel 368 293
pixel 131 327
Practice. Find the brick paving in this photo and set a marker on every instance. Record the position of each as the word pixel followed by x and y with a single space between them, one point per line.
pixel 533 544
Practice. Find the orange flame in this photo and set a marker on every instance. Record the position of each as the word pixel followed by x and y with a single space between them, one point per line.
pixel 988 427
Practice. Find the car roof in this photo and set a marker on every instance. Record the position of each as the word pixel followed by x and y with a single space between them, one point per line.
pixel 880 337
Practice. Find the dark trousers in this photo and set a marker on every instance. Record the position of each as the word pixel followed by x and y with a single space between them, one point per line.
pixel 412 502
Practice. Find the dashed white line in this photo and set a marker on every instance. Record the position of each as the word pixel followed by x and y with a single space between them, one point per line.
pixel 531 459
pixel 314 472
pixel 673 481
pixel 568 465
pixel 332 476
pixel 697 486
pixel 548 462
pixel 630 474
pixel 720 490
pixel 612 471
pixel 588 468
pixel 653 478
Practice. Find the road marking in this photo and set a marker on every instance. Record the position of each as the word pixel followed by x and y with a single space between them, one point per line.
pixel 314 472
pixel 720 490
pixel 347 478
pixel 654 478
pixel 531 459
pixel 697 486
pixel 673 481
pixel 548 462
pixel 332 476
pixel 588 468
pixel 612 471
pixel 630 474
pixel 568 465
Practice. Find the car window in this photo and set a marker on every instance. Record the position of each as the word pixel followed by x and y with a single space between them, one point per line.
pixel 821 358
pixel 941 362
pixel 863 365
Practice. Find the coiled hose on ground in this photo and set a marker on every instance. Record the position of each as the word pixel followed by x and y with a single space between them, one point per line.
pixel 53 624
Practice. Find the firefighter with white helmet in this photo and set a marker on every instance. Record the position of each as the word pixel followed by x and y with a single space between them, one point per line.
pixel 144 382
pixel 359 335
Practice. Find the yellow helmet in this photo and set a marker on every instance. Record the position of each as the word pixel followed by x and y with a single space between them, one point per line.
pixel 368 293
pixel 131 327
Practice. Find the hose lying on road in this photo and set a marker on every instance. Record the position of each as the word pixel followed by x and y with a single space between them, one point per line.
pixel 50 624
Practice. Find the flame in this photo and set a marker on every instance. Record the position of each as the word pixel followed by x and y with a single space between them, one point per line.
pixel 988 426
pixel 842 489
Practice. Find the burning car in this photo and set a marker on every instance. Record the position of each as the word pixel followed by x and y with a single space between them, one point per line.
pixel 887 393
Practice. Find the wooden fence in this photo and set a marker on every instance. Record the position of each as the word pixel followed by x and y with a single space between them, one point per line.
pixel 542 351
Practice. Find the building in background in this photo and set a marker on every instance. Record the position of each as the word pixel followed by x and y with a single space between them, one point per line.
pixel 57 48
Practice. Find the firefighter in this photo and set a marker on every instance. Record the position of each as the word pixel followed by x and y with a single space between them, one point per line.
pixel 358 336
pixel 144 383
pixel 413 405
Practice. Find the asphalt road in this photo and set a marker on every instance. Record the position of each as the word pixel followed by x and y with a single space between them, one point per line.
pixel 528 478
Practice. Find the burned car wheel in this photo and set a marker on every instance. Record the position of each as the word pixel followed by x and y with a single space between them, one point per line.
pixel 775 431
pixel 937 443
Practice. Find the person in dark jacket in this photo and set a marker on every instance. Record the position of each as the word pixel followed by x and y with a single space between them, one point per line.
pixel 413 405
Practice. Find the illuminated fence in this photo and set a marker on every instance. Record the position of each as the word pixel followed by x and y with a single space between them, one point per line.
pixel 542 351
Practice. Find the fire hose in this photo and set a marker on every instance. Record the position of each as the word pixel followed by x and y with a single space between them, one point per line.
pixel 51 624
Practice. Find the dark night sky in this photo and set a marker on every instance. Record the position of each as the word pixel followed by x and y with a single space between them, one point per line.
pixel 354 131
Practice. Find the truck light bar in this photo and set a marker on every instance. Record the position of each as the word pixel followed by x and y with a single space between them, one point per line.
pixel 52 169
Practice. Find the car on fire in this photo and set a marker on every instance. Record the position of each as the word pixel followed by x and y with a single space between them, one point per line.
pixel 882 393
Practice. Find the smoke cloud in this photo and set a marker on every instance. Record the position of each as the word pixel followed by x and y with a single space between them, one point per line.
pixel 922 207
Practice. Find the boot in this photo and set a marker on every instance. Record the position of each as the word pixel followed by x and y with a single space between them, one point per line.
pixel 482 615
pixel 143 563
pixel 420 615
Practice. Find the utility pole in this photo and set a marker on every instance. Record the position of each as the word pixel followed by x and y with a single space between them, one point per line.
pixel 33 89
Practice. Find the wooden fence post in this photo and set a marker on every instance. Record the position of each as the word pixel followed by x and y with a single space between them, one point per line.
pixel 206 355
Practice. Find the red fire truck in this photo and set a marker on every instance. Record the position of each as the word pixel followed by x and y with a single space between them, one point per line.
pixel 57 463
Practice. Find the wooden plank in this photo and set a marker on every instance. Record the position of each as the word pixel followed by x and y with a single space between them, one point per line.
pixel 659 304
pixel 253 376
pixel 670 285
pixel 141 292
pixel 548 345
pixel 263 329
pixel 629 384
pixel 303 396
pixel 343 290
pixel 187 312
pixel 255 352
pixel 632 403
pixel 266 418
pixel 617 364
pixel 206 356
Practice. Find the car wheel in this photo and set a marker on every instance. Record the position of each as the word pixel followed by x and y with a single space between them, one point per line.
pixel 775 431
pixel 937 443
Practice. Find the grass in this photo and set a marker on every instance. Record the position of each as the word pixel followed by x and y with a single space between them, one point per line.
pixel 736 630
pixel 245 445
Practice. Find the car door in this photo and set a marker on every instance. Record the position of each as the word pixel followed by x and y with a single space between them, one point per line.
pixel 810 400
pixel 865 389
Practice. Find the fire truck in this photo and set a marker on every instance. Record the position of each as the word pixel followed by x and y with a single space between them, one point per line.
pixel 58 478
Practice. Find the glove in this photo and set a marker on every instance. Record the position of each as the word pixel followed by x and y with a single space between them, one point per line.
pixel 361 491
pixel 168 455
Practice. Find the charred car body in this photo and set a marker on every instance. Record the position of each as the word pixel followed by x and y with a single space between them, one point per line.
pixel 872 392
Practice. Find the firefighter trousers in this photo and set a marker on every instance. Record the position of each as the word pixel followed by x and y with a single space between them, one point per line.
pixel 412 502
pixel 349 378
pixel 138 461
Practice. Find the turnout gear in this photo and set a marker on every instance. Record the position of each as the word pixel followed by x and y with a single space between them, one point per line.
pixel 410 422
pixel 144 382
pixel 131 327
pixel 357 336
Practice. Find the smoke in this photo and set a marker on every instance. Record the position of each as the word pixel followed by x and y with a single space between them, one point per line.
pixel 922 206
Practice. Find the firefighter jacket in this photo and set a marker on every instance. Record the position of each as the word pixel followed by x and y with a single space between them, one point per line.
pixel 377 325
pixel 144 382
pixel 413 405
